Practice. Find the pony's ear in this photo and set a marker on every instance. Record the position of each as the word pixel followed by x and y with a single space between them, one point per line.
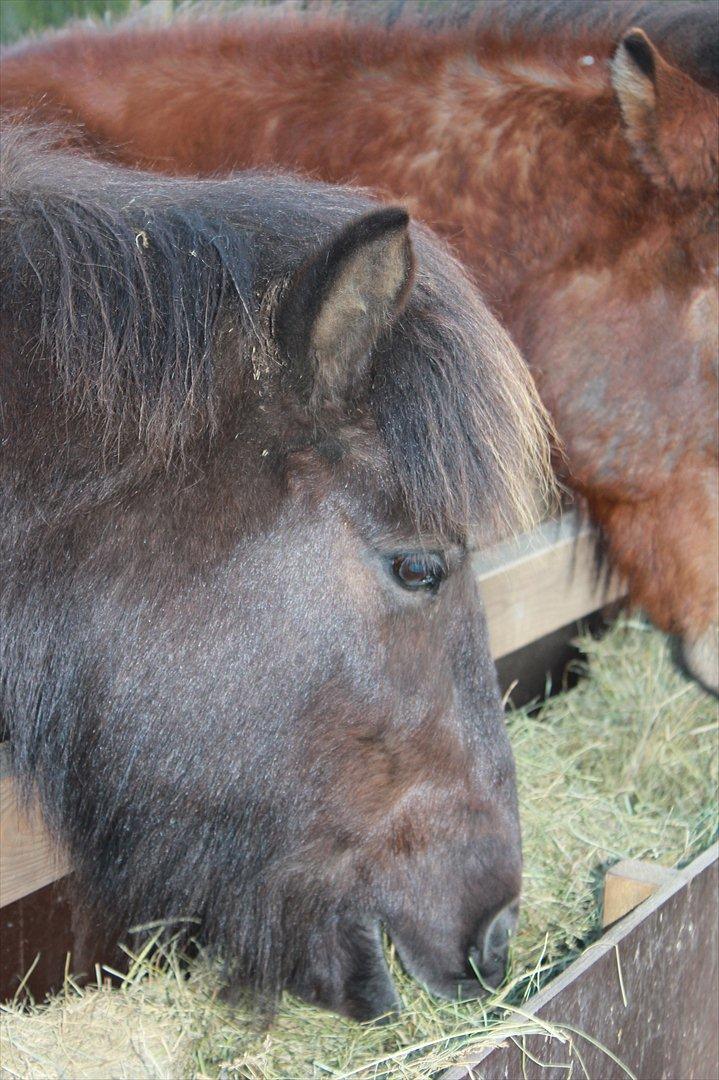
pixel 338 304
pixel 671 121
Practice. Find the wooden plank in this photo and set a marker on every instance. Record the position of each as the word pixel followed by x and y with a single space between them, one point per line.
pixel 647 992
pixel 28 859
pixel 541 582
pixel 36 934
pixel 628 883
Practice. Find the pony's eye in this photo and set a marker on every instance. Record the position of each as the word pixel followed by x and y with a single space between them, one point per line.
pixel 421 571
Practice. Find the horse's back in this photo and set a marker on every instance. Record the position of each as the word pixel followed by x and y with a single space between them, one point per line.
pixel 686 30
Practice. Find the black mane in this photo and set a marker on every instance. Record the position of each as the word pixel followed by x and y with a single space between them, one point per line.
pixel 126 288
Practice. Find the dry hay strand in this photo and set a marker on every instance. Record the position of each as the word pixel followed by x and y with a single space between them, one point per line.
pixel 622 766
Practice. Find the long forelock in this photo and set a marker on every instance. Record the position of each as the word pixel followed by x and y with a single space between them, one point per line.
pixel 468 437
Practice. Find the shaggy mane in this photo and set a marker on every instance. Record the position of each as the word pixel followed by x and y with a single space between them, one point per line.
pixel 122 282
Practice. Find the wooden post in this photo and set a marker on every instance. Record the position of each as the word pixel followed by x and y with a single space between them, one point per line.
pixel 645 993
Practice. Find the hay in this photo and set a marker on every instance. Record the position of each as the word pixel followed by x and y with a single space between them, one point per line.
pixel 622 766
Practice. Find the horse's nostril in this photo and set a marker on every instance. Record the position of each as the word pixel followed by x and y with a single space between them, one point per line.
pixel 489 957
pixel 490 977
pixel 490 968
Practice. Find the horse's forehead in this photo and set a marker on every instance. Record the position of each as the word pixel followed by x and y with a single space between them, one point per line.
pixel 345 451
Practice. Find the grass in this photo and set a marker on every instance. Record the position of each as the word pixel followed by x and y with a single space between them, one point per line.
pixel 19 18
pixel 622 766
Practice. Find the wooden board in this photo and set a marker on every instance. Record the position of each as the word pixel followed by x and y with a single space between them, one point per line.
pixel 647 991
pixel 628 883
pixel 530 588
pixel 541 582
pixel 28 859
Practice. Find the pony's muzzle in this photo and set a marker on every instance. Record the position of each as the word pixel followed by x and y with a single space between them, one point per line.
pixel 462 962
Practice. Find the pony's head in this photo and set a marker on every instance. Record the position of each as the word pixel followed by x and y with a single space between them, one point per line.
pixel 249 430
pixel 623 334
pixel 671 125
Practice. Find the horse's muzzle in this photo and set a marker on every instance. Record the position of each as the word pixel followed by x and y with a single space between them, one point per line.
pixel 463 963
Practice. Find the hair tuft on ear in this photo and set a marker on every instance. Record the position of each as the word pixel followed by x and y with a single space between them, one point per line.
pixel 340 302
pixel 670 121
pixel 640 50
pixel 633 78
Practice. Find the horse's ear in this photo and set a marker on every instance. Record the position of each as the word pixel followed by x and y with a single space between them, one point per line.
pixel 671 121
pixel 338 304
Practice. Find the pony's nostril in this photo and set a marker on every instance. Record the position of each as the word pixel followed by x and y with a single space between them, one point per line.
pixel 489 971
pixel 489 957
pixel 490 977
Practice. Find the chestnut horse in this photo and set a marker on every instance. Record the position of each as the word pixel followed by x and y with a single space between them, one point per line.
pixel 247 429
pixel 579 187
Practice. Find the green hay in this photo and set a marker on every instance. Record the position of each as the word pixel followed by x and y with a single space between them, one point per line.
pixel 622 766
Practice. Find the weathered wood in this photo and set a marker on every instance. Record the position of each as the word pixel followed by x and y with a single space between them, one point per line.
pixel 628 883
pixel 542 581
pixel 28 859
pixel 647 992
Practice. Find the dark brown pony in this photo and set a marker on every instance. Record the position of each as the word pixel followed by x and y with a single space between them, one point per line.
pixel 247 428
pixel 578 185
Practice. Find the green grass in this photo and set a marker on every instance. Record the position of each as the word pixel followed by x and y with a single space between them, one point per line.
pixel 622 766
pixel 20 17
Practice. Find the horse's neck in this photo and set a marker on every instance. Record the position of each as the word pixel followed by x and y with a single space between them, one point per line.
pixel 499 137
pixel 536 201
